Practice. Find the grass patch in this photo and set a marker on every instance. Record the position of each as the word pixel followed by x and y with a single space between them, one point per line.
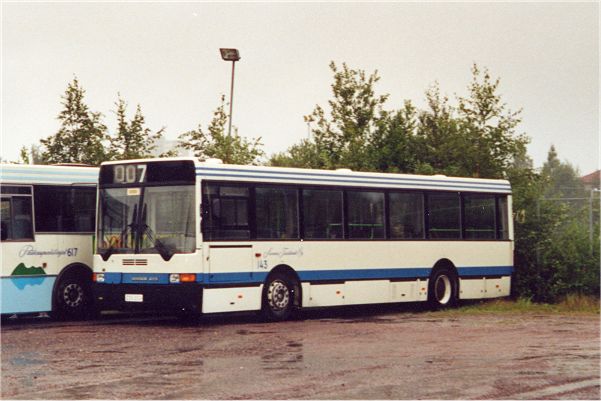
pixel 573 303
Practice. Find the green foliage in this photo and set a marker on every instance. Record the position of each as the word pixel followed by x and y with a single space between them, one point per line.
pixel 489 128
pixel 133 140
pixel 304 155
pixel 439 140
pixel 82 135
pixel 553 252
pixel 32 155
pixel 563 178
pixel 342 139
pixel 392 147
pixel 216 143
pixel 573 303
pixel 476 138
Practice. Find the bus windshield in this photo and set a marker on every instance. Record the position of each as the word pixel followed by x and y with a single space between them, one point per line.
pixel 144 220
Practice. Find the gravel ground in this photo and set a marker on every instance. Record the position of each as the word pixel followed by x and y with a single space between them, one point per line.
pixel 360 353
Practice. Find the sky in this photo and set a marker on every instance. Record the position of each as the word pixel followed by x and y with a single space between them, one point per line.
pixel 164 56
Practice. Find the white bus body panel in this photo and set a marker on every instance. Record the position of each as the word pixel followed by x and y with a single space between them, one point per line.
pixel 30 269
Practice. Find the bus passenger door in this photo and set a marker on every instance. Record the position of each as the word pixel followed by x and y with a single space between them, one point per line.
pixel 225 218
pixel 230 263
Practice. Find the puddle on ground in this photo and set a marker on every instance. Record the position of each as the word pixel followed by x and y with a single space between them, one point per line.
pixel 27 359
pixel 290 358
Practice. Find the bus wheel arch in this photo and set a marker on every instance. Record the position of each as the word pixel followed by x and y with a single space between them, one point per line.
pixel 72 292
pixel 282 293
pixel 443 285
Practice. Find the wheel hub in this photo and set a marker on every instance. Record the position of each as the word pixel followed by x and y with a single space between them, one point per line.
pixel 442 289
pixel 278 295
pixel 73 295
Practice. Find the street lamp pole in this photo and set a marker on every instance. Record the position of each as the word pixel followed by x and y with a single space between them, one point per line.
pixel 232 55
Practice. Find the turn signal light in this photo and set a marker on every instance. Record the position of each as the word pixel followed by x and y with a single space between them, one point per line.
pixel 187 277
pixel 175 278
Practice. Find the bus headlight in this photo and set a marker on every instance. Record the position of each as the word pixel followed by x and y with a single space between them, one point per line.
pixel 174 278
pixel 98 277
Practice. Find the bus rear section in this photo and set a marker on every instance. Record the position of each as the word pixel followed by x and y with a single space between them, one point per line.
pixel 47 227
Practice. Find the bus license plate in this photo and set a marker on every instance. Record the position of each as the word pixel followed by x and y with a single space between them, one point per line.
pixel 134 298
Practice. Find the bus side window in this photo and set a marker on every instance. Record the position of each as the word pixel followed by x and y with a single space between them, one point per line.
pixel 5 219
pixel 276 211
pixel 17 221
pixel 225 214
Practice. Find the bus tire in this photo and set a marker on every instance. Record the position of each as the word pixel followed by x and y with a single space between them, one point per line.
pixel 278 297
pixel 73 298
pixel 442 288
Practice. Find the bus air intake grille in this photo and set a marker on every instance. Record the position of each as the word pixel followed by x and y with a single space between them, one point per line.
pixel 135 262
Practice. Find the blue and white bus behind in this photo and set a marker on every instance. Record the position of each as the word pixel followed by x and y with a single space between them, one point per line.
pixel 208 237
pixel 47 230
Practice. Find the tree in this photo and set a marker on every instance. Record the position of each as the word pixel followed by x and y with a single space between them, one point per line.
pixel 31 155
pixel 133 140
pixel 216 143
pixel 82 135
pixel 302 155
pixel 342 139
pixel 489 128
pixel 552 257
pixel 392 147
pixel 439 140
pixel 563 178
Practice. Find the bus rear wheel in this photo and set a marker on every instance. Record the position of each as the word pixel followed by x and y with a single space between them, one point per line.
pixel 278 297
pixel 73 298
pixel 442 289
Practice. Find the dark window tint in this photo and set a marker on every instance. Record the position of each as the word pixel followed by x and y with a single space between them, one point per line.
pixel 14 190
pixel 276 213
pixel 502 225
pixel 443 216
pixel 64 209
pixel 366 215
pixel 322 214
pixel 225 212
pixel 479 216
pixel 16 221
pixel 406 215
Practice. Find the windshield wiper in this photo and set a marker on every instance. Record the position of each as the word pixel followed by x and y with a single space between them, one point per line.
pixel 131 226
pixel 161 248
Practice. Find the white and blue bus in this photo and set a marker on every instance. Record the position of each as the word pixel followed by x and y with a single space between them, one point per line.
pixel 47 230
pixel 208 237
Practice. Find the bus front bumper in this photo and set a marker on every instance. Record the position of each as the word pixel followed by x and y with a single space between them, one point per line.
pixel 156 297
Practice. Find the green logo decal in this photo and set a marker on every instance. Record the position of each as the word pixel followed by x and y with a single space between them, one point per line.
pixel 22 270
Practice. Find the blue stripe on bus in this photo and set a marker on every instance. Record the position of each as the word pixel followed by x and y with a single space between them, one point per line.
pixel 26 294
pixel 302 174
pixel 485 271
pixel 307 275
pixel 146 278
pixel 371 182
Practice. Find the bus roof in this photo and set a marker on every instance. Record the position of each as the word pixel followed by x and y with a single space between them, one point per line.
pixel 42 174
pixel 215 170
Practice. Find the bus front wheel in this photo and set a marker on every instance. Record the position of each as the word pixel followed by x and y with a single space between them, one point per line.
pixel 278 297
pixel 442 289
